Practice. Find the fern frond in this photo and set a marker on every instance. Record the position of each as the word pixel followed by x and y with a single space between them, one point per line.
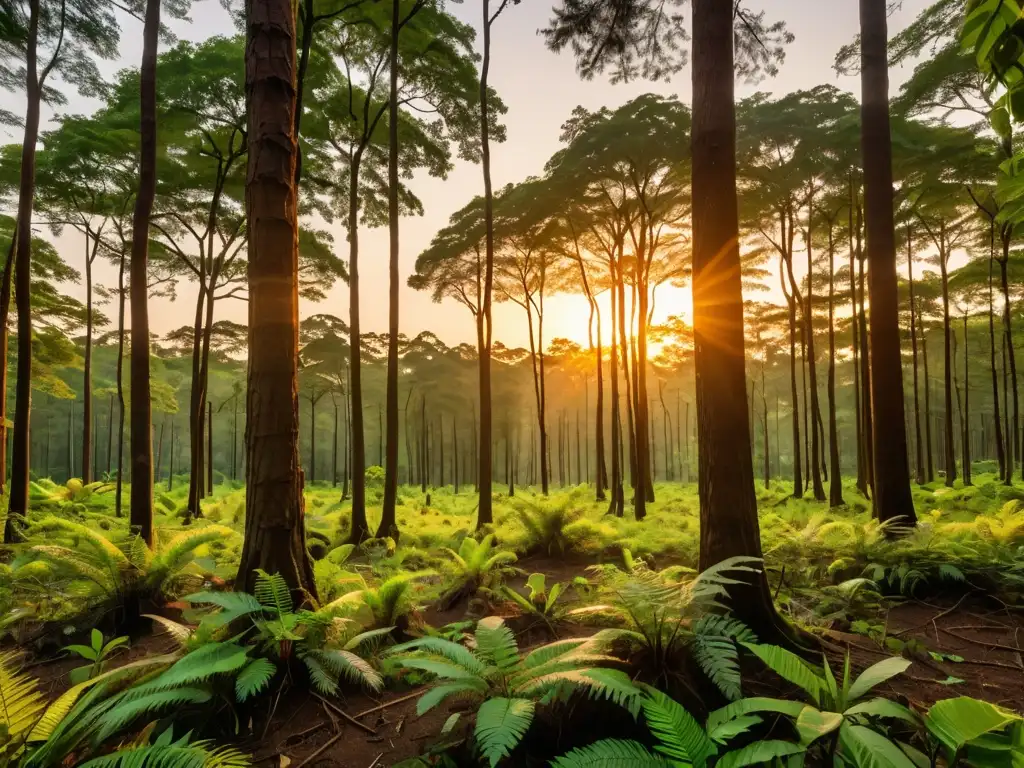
pixel 446 649
pixel 233 605
pixel 272 591
pixel 21 704
pixel 126 711
pixel 253 678
pixel 680 737
pixel 180 549
pixel 500 726
pixel 439 693
pixel 496 643
pixel 349 666
pixel 181 633
pixel 611 753
pixel 199 754
pixel 200 665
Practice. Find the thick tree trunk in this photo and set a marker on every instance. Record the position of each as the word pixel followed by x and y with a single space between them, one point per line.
pixel 485 515
pixel 275 538
pixel 728 506
pixel 360 530
pixel 141 509
pixel 195 411
pixel 389 521
pixel 891 473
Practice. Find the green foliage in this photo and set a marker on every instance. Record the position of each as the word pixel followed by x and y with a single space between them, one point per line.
pixel 477 565
pixel 509 685
pixel 97 652
pixel 322 641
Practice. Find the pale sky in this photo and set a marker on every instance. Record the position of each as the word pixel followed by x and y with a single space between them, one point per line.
pixel 540 89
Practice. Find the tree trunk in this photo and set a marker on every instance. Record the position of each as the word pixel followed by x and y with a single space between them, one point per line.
pixel 998 427
pixel 599 446
pixel 966 421
pixel 209 447
pixel 87 416
pixel 195 411
pixel 360 530
pixel 275 538
pixel 862 481
pixel 816 487
pixel 485 515
pixel 891 475
pixel 949 454
pixel 120 387
pixel 312 438
pixel 617 504
pixel 389 521
pixel 929 463
pixel 835 489
pixel 1014 448
pixel 798 482
pixel 728 506
pixel 21 445
pixel 919 449
pixel 867 405
pixel 159 453
pixel 170 463
pixel 141 510
pixel 334 450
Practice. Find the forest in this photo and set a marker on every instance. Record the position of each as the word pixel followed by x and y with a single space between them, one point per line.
pixel 737 479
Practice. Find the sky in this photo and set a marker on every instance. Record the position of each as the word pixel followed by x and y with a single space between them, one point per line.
pixel 541 89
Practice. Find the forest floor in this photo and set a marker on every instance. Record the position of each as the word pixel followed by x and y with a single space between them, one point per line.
pixel 947 597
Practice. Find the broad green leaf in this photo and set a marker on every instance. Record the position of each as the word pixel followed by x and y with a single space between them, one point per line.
pixel 812 724
pixel 732 728
pixel 751 705
pixel 759 752
pixel 955 722
pixel 877 674
pixel 789 667
pixel 882 708
pixel 866 748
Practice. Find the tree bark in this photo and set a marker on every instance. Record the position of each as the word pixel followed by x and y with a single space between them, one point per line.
pixel 891 473
pixel 919 448
pixel 929 463
pixel 275 539
pixel 21 444
pixel 998 427
pixel 120 388
pixel 949 448
pixel 966 422
pixel 835 489
pixel 728 506
pixel 141 509
pixel 1014 448
pixel 5 313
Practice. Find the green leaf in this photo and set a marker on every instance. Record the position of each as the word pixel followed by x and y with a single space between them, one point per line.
pixel 82 650
pixel 500 726
pixel 955 722
pixel 680 737
pixel 789 667
pixel 882 708
pixel 254 678
pixel 812 724
pixel 611 753
pixel 96 637
pixel 751 705
pixel 733 728
pixel 877 674
pixel 1000 120
pixel 866 748
pixel 439 693
pixel 758 752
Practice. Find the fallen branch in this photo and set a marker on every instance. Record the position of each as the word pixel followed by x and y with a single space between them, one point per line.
pixel 387 704
pixel 338 711
pixel 982 643
pixel 933 618
pixel 330 742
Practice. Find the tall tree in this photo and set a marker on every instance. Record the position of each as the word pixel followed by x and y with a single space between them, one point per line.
pixel 275 538
pixel 892 498
pixel 44 37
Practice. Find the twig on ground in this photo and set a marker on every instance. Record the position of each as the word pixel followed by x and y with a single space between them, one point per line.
pixel 345 715
pixel 376 760
pixel 327 744
pixel 387 704
pixel 982 643
pixel 933 618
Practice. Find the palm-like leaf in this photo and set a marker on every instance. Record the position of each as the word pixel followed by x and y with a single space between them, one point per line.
pixel 790 668
pixel 877 674
pixel 611 753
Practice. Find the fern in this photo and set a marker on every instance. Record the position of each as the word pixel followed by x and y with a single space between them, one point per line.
pixel 500 725
pixel 347 665
pixel 714 650
pixel 128 710
pixel 611 753
pixel 253 678
pixel 163 753
pixel 680 737
pixel 271 590
pixel 21 705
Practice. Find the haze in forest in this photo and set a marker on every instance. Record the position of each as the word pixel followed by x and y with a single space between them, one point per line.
pixel 540 89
